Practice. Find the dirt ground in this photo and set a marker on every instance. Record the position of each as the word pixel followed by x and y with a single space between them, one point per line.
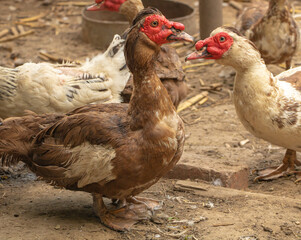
pixel 31 209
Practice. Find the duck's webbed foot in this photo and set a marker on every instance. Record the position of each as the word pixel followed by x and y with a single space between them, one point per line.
pixel 298 176
pixel 287 167
pixel 288 64
pixel 122 218
pixel 149 203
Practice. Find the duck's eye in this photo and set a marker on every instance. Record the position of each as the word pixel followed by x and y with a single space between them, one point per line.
pixel 222 39
pixel 154 23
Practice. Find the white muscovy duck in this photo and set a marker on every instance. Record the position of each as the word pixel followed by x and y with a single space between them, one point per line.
pixel 273 30
pixel 49 88
pixel 268 106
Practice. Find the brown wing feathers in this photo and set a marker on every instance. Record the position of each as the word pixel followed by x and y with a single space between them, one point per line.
pixel 251 16
pixel 294 80
pixel 45 143
pixel 43 140
pixel 50 161
pixel 75 129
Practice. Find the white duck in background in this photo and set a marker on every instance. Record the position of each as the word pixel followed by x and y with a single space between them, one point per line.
pixel 269 107
pixel 49 88
pixel 273 30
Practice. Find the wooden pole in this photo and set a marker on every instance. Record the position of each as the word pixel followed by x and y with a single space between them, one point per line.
pixel 211 16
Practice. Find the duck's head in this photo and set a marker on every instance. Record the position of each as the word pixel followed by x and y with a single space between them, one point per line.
pixel 226 45
pixel 150 29
pixel 128 8
pixel 160 30
pixel 110 5
pixel 152 26
pixel 214 47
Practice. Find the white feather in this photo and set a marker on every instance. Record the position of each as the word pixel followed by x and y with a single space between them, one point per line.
pixel 91 164
pixel 46 88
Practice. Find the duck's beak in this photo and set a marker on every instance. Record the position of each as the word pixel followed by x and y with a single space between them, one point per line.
pixel 202 53
pixel 95 7
pixel 181 36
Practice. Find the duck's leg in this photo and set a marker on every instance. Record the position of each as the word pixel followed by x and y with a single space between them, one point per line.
pixel 288 64
pixel 121 219
pixel 287 167
pixel 297 173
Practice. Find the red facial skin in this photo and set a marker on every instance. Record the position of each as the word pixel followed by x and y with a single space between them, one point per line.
pixel 216 45
pixel 109 5
pixel 158 28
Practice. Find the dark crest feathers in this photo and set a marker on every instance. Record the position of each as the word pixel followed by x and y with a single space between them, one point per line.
pixel 143 13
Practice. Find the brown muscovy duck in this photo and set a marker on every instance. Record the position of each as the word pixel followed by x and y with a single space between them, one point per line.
pixel 272 28
pixel 269 107
pixel 168 65
pixel 109 150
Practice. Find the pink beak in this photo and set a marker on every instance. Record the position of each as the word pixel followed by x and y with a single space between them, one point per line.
pixel 96 7
pixel 202 53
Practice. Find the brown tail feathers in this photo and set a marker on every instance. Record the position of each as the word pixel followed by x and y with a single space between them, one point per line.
pixel 12 152
pixel 17 134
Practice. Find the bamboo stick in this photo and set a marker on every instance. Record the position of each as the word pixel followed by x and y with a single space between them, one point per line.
pixel 212 87
pixel 203 101
pixel 70 3
pixel 32 24
pixel 198 64
pixel 44 54
pixel 34 18
pixel 14 31
pixel 10 38
pixel 192 101
pixel 202 82
pixel 21 28
pixel 4 32
pixel 51 57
